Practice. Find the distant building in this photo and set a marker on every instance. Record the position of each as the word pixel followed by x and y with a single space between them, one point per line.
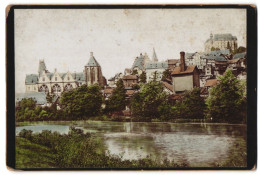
pixel 139 63
pixel 185 77
pixel 93 72
pixel 52 82
pixel 221 41
pixel 56 82
pixel 130 80
pixel 39 97
pixel 172 63
pixel 155 69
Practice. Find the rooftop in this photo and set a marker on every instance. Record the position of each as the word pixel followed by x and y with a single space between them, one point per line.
pixel 211 82
pixel 189 69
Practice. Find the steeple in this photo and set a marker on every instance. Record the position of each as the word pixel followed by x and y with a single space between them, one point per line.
pixel 211 35
pixel 154 58
pixel 42 66
pixel 92 61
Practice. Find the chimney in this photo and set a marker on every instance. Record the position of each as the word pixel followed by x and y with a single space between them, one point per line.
pixel 182 59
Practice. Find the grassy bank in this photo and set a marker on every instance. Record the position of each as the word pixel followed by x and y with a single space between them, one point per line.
pixel 73 150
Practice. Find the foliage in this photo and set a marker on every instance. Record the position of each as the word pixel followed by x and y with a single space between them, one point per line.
pixel 241 49
pixel 166 75
pixel 83 102
pixel 117 100
pixel 213 48
pixel 146 103
pixel 193 105
pixel 134 72
pixel 143 77
pixel 226 100
pixel 75 150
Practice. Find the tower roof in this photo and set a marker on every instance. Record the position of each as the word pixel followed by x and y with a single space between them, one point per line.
pixel 92 61
pixel 42 66
pixel 154 58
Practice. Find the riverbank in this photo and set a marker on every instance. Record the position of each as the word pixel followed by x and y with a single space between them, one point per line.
pixel 74 150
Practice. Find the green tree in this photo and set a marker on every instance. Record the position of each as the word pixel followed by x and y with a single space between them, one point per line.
pixel 166 75
pixel 143 77
pixel 134 72
pixel 117 101
pixel 226 100
pixel 241 49
pixel 193 106
pixel 85 101
pixel 145 104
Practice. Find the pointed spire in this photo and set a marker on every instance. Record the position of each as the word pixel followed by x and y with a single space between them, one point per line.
pixel 42 66
pixel 154 58
pixel 92 61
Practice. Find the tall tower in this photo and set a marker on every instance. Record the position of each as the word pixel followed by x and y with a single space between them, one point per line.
pixel 154 58
pixel 93 72
pixel 42 67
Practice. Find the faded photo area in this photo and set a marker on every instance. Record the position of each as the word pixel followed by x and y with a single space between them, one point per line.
pixel 131 88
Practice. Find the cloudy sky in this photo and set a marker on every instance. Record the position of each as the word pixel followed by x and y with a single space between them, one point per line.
pixel 64 38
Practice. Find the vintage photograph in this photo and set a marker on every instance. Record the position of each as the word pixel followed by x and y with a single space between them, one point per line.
pixel 130 88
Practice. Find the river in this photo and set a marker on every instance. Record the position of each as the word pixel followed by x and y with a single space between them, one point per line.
pixel 198 144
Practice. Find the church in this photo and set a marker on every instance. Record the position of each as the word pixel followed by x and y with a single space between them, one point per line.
pixel 56 82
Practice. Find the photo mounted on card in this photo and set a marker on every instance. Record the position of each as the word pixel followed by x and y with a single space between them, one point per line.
pixel 131 87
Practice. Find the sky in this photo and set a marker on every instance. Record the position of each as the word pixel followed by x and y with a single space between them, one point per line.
pixel 64 38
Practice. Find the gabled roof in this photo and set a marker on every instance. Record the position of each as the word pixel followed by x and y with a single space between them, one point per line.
pixel 240 55
pixel 31 79
pixel 39 97
pixel 211 82
pixel 189 69
pixel 92 61
pixel 139 62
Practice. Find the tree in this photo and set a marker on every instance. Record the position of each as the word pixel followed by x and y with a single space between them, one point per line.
pixel 241 49
pixel 226 100
pixel 145 104
pixel 166 75
pixel 117 101
pixel 143 77
pixel 193 105
pixel 134 72
pixel 85 101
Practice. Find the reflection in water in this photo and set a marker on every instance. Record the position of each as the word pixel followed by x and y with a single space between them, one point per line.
pixel 199 144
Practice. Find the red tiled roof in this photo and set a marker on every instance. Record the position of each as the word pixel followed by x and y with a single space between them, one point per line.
pixel 211 83
pixel 177 70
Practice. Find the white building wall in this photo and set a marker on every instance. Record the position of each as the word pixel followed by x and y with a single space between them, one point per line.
pixel 183 83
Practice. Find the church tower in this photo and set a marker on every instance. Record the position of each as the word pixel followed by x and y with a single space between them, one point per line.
pixel 93 72
pixel 154 58
pixel 42 67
